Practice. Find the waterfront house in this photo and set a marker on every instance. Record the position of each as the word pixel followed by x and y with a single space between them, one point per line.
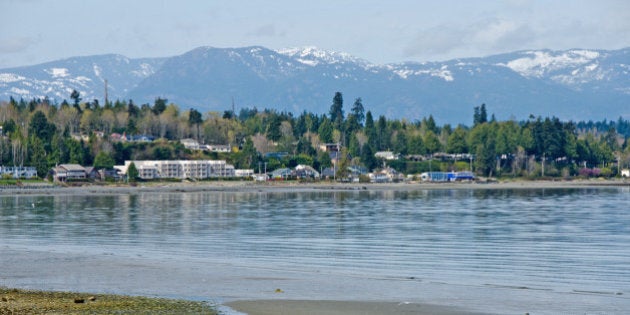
pixel 65 172
pixel 18 171
pixel 306 171
pixel 446 176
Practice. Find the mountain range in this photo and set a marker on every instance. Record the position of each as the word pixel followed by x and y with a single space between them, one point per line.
pixel 576 84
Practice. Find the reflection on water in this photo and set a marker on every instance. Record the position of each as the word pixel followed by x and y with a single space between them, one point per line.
pixel 560 239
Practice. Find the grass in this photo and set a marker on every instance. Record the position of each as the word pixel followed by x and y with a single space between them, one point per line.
pixel 15 301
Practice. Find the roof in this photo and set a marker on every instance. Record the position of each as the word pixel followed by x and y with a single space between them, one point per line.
pixel 72 167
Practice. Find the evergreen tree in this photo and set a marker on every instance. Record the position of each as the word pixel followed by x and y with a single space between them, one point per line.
pixel 457 141
pixel 384 140
pixel 367 157
pixel 336 111
pixel 40 128
pixel 431 125
pixel 103 161
pixel 194 118
pixel 400 143
pixel 273 131
pixel 132 173
pixel 326 131
pixel 37 156
pixel 480 116
pixel 76 96
pixel 159 106
pixel 415 145
pixel 358 111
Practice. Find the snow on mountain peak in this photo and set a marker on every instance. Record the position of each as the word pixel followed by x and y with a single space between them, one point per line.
pixel 57 72
pixel 538 63
pixel 404 71
pixel 313 56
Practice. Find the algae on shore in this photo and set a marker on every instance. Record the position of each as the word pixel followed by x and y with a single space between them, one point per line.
pixel 15 301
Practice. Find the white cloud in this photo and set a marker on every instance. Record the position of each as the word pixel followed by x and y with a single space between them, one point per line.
pixel 15 44
pixel 267 30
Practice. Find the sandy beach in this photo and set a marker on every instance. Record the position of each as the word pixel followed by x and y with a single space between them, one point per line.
pixel 254 289
pixel 309 307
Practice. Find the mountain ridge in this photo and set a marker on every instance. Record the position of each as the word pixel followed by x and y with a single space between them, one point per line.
pixel 577 84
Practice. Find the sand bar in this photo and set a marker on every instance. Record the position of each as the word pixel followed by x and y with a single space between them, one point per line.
pixel 308 307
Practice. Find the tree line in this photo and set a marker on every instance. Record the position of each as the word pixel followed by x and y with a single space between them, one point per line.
pixel 43 134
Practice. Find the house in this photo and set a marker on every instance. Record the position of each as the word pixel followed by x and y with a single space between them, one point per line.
pixel 110 173
pixel 65 172
pixel 244 173
pixel 281 173
pixel 191 144
pixel 625 173
pixel 379 178
pixel 220 148
pixel 446 176
pixel 92 173
pixel 386 155
pixel 328 172
pixel 136 138
pixel 276 155
pixel 115 137
pixel 330 147
pixel 18 171
pixel 305 171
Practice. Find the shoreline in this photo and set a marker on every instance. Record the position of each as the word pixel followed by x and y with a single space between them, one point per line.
pixel 295 186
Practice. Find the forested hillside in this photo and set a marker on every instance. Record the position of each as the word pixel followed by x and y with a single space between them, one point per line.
pixel 42 134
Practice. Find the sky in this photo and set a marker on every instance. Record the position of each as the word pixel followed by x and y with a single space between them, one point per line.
pixel 36 31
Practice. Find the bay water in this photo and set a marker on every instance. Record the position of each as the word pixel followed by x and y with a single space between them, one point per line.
pixel 567 240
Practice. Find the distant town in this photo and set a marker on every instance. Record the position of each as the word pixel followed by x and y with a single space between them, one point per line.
pixel 83 141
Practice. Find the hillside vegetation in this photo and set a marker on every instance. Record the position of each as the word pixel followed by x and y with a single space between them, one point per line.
pixel 41 134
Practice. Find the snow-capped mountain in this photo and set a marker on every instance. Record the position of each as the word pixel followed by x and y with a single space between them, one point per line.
pixel 57 79
pixel 571 84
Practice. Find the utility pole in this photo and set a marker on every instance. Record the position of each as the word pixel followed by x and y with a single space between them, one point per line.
pixel 106 99
pixel 543 165
pixel 233 109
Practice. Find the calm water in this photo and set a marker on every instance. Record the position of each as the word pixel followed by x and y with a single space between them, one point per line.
pixel 567 240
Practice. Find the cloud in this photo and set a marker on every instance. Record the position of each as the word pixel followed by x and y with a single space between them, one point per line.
pixel 15 44
pixel 267 30
pixel 502 35
pixel 481 37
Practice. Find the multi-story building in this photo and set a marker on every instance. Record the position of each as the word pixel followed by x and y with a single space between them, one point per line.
pixel 197 169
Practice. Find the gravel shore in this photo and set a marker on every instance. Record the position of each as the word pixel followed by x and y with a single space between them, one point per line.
pixel 286 186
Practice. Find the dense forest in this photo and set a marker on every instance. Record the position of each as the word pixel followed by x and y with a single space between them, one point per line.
pixel 43 134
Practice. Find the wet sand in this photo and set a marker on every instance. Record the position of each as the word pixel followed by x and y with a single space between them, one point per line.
pixel 308 307
pixel 259 289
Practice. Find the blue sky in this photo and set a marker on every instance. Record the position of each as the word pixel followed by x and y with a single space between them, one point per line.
pixel 35 31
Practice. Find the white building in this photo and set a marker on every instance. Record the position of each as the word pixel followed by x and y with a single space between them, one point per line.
pixel 66 172
pixel 198 169
pixel 190 144
pixel 386 155
pixel 244 173
pixel 223 148
pixel 625 173
pixel 18 171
